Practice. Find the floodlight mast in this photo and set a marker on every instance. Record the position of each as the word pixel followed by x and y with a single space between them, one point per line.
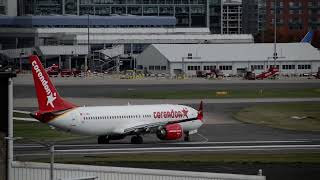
pixel 275 55
pixel 86 61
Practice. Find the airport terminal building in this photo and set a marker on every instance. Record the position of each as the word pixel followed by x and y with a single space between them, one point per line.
pixel 231 59
pixel 121 38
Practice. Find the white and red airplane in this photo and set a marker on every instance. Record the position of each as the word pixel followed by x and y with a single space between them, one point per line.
pixel 168 122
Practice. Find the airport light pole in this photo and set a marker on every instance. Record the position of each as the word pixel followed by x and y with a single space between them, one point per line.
pixel 88 58
pixel 221 16
pixel 20 60
pixel 275 55
pixel 51 161
pixel 6 78
pixel 183 66
pixel 10 129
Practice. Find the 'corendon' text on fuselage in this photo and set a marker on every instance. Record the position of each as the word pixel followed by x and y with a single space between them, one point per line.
pixel 170 114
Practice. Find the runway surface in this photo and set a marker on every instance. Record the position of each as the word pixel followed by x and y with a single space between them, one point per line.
pixel 220 134
pixel 266 147
pixel 212 138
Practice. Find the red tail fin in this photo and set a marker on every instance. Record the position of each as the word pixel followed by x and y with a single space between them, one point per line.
pixel 48 97
pixel 200 111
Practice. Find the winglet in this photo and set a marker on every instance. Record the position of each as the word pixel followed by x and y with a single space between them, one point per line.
pixel 200 111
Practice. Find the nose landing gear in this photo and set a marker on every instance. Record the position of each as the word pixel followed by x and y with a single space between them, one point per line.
pixel 103 140
pixel 186 137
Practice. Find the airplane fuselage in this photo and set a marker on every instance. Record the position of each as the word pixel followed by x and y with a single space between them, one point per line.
pixel 113 120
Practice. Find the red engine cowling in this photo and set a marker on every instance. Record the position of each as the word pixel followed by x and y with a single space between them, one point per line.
pixel 170 132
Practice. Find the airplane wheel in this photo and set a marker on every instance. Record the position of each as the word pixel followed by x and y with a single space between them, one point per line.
pixel 136 140
pixel 140 140
pixel 186 137
pixel 103 140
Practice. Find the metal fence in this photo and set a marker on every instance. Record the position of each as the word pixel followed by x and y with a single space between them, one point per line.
pixel 40 171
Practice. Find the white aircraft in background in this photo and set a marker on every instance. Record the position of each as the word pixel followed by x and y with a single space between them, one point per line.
pixel 168 122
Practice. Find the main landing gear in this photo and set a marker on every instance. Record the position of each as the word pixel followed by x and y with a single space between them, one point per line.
pixel 103 140
pixel 186 137
pixel 136 139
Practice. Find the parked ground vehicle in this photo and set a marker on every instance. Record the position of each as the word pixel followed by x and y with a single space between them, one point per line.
pixel 53 70
pixel 66 73
pixel 212 73
pixel 317 75
pixel 249 75
pixel 76 72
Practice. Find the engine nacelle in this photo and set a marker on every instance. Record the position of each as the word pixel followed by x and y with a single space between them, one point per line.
pixel 170 132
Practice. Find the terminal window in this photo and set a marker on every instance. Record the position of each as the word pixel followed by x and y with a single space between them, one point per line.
pixel 209 67
pixel 257 67
pixel 288 66
pixel 225 67
pixel 193 68
pixel 277 66
pixel 304 66
pixel 157 68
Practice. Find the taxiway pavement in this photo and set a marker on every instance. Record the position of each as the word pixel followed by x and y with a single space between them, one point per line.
pixel 221 133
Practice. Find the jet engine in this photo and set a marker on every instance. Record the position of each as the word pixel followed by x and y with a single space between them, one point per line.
pixel 170 132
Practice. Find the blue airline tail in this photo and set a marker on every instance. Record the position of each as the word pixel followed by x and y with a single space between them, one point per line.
pixel 308 37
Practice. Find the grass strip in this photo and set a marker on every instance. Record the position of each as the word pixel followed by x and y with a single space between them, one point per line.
pixel 40 132
pixel 213 94
pixel 292 116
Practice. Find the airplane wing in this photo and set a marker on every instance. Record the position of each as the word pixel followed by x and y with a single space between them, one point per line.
pixel 146 128
pixel 21 112
pixel 25 119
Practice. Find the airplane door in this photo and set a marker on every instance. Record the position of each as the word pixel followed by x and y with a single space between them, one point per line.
pixel 73 119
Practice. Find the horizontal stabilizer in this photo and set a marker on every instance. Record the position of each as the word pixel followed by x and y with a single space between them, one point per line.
pixel 25 119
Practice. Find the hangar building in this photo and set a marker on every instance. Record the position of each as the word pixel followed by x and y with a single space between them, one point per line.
pixel 231 59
